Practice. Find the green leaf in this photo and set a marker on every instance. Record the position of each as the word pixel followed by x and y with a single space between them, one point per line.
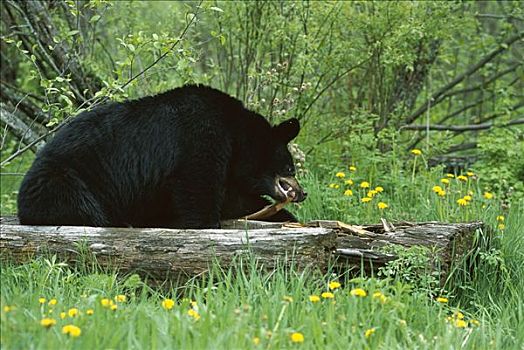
pixel 94 19
pixel 217 9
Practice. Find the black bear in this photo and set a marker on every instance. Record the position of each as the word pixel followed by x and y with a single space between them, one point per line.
pixel 186 158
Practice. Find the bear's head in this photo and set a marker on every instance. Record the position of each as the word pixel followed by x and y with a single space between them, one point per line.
pixel 275 174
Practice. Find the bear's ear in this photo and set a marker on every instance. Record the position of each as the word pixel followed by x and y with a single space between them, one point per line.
pixel 287 130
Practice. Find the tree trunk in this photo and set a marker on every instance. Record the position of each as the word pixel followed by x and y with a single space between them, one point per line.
pixel 180 254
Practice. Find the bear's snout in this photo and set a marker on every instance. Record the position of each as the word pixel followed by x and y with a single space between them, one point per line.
pixel 289 188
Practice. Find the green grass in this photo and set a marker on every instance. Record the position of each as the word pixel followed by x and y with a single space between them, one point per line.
pixel 238 305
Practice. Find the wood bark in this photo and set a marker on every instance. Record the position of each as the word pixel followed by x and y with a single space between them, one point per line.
pixel 164 254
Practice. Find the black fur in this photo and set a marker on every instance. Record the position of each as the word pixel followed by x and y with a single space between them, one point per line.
pixel 186 158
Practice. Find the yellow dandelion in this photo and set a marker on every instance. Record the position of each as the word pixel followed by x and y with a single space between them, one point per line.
pixel 462 202
pixel 380 297
pixel 369 332
pixel 460 323
pixel 327 295
pixel 72 312
pixel 487 195
pixel 382 205
pixel 297 337
pixel 458 315
pixel 7 308
pixel 474 322
pixel 52 302
pixel 334 186
pixel 436 188
pixel 340 175
pixel 106 302
pixel 352 168
pixel 334 285
pixel 72 330
pixel 441 193
pixel 501 218
pixel 501 226
pixel 450 175
pixel 470 173
pixel 372 193
pixel 444 181
pixel 416 152
pixel 314 298
pixel 89 312
pixel 121 298
pixel 379 189
pixel 442 300
pixel 42 300
pixel 358 292
pixel 365 184
pixel 47 322
pixel 349 182
pixel 63 315
pixel 168 304
pixel 348 193
pixel 287 298
pixel 468 198
pixel 256 340
pixel 462 178
pixel 366 199
pixel 193 314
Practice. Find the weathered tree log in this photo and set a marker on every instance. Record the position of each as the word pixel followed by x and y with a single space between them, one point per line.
pixel 166 253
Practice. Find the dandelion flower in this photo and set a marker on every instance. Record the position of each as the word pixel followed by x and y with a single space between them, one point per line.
pixel 436 188
pixel 379 189
pixel 382 205
pixel 89 312
pixel 121 298
pixel 168 304
pixel 352 168
pixel 487 195
pixel 193 314
pixel 348 193
pixel 340 175
pixel 365 184
pixel 334 186
pixel 460 323
pixel 444 181
pixel 441 193
pixel 475 322
pixel 42 300
pixel 470 173
pixel 349 182
pixel 52 302
pixel 369 332
pixel 106 302
pixel 358 292
pixel 442 300
pixel 380 297
pixel 72 330
pixel 7 308
pixel 468 198
pixel 462 202
pixel 327 295
pixel 450 175
pixel 416 152
pixel 334 285
pixel 500 218
pixel 297 337
pixel 462 178
pixel 256 340
pixel 372 193
pixel 458 315
pixel 366 199
pixel 47 322
pixel 72 312
pixel 501 226
pixel 63 315
pixel 314 298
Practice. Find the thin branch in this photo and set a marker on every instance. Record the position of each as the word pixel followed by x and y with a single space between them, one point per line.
pixel 486 59
pixel 461 128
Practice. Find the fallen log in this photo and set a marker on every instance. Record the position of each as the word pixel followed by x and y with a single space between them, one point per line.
pixel 166 253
